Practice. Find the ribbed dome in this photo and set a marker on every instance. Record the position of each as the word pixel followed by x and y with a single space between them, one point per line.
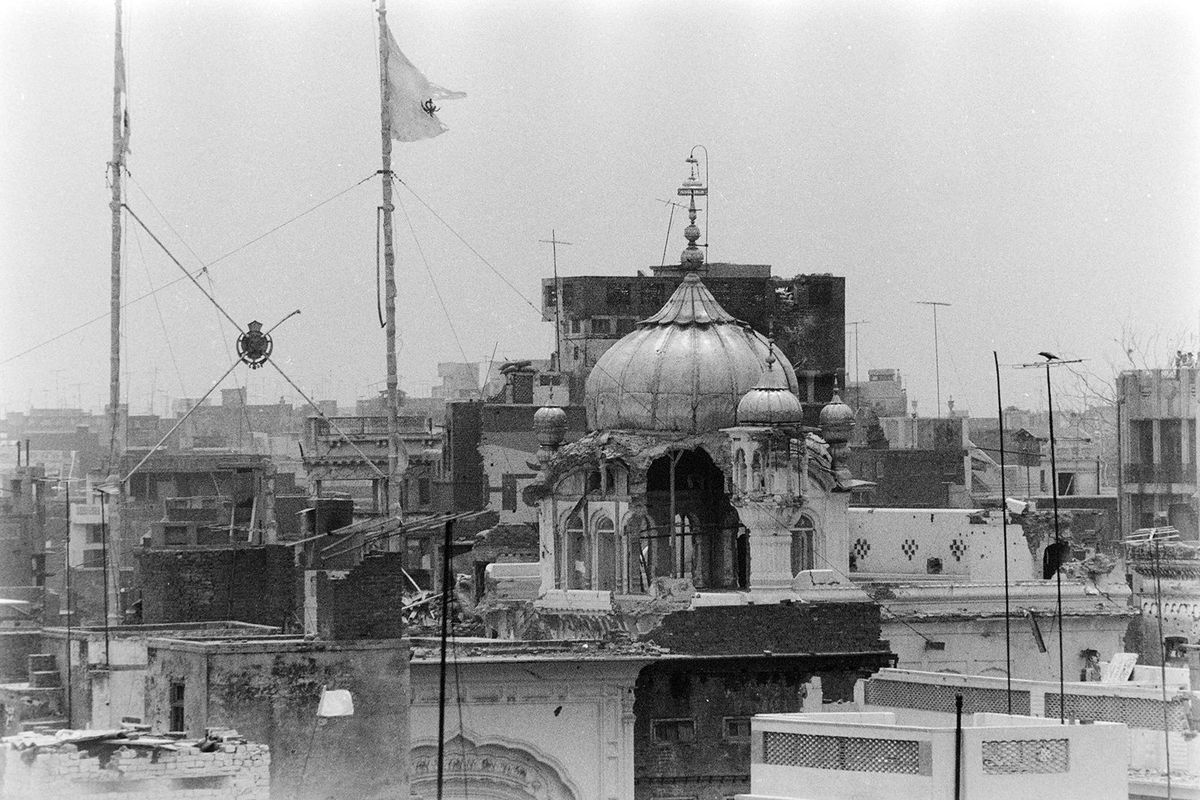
pixel 770 402
pixel 837 420
pixel 683 369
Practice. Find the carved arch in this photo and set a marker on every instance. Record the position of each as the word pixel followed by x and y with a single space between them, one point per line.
pixel 490 769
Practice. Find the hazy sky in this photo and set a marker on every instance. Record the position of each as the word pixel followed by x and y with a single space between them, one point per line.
pixel 1036 165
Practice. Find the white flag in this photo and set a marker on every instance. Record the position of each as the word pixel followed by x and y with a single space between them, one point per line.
pixel 412 99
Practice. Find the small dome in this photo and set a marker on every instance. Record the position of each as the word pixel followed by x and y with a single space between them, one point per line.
pixel 837 419
pixel 770 402
pixel 684 369
pixel 550 424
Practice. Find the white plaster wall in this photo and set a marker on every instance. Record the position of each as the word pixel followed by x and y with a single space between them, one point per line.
pixel 119 691
pixel 576 716
pixel 901 540
pixel 976 646
pixel 499 461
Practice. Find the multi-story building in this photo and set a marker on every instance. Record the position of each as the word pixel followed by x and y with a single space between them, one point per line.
pixel 883 392
pixel 1159 415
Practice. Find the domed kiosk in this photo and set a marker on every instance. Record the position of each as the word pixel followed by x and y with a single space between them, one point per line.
pixel 684 369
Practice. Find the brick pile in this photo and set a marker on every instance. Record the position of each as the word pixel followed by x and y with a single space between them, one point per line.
pixel 236 770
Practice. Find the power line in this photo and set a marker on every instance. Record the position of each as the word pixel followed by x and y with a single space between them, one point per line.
pixel 168 284
pixel 467 244
pixel 437 292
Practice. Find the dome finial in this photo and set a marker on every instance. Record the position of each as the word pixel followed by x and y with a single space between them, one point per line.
pixel 692 258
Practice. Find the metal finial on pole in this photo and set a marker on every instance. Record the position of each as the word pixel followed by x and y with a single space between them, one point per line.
pixel 708 208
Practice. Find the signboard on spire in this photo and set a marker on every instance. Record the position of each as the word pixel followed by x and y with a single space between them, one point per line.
pixel 412 99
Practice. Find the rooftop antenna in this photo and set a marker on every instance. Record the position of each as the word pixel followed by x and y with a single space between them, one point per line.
pixel 857 379
pixel 667 243
pixel 1004 533
pixel 1052 360
pixel 937 369
pixel 554 242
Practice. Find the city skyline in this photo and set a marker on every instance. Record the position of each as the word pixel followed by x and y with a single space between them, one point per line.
pixel 1034 168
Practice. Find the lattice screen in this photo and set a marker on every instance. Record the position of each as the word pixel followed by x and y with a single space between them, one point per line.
pixel 1025 756
pixel 842 753
pixel 1136 712
pixel 938 697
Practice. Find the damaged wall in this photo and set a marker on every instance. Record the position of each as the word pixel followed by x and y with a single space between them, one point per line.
pixel 780 628
pixel 269 692
pixel 366 603
pixel 247 584
pixel 691 729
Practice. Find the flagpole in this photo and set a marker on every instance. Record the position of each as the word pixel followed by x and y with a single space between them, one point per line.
pixel 114 394
pixel 392 500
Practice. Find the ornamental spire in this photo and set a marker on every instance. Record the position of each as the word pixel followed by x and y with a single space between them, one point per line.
pixel 692 258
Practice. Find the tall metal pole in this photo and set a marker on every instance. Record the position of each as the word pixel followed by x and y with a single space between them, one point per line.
pixel 117 164
pixel 447 587
pixel 1162 658
pixel 1057 551
pixel 937 366
pixel 554 242
pixel 114 175
pixel 67 598
pixel 1004 525
pixel 392 500
pixel 857 377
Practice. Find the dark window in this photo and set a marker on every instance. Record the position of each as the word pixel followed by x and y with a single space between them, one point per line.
pixel 177 717
pixel 213 535
pixel 143 487
pixel 549 298
pixel 820 294
pixel 737 728
pixel 93 558
pixel 601 325
pixel 568 294
pixel 933 566
pixel 95 534
pixel 423 491
pixel 175 535
pixel 508 486
pixel 652 296
pixel 576 326
pixel 674 730
pixel 625 325
pixel 1066 483
pixel 618 295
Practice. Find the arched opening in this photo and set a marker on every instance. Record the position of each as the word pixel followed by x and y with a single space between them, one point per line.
pixel 757 479
pixel 692 530
pixel 485 771
pixel 803 545
pixel 606 553
pixel 578 553
pixel 739 469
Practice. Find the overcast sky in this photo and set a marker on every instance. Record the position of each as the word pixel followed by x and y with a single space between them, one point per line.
pixel 1035 165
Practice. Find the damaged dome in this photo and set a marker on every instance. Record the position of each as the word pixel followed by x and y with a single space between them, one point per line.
pixel 684 369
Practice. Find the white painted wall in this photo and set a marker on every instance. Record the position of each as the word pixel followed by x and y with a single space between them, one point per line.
pixel 575 715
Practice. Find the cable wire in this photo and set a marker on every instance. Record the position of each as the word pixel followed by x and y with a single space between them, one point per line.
pixel 168 284
pixel 433 281
pixel 467 244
